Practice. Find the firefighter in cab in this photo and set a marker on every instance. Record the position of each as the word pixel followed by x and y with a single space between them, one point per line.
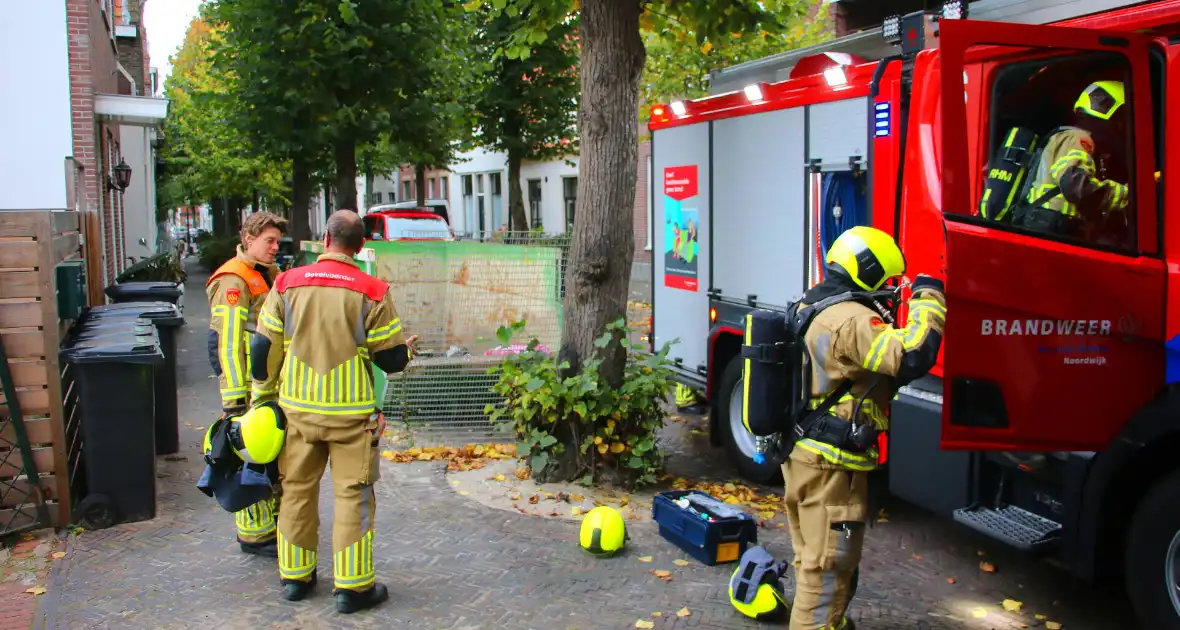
pixel 319 332
pixel 236 292
pixel 1068 194
pixel 858 363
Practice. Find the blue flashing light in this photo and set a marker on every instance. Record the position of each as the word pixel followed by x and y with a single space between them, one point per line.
pixel 881 119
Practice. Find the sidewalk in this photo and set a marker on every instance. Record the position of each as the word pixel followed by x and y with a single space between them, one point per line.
pixel 455 558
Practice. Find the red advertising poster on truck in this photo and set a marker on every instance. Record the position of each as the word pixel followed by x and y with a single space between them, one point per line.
pixel 681 221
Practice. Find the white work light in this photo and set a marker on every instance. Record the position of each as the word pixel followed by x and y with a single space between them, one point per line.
pixel 891 29
pixel 678 108
pixel 835 76
pixel 753 92
pixel 954 10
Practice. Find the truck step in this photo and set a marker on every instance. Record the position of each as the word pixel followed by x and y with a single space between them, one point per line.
pixel 1011 525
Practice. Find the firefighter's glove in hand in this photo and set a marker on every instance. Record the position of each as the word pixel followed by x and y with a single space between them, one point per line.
pixel 924 281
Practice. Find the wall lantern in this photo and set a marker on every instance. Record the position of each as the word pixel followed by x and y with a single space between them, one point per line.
pixel 122 176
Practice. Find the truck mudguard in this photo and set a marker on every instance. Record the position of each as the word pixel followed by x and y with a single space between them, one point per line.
pixel 1007 174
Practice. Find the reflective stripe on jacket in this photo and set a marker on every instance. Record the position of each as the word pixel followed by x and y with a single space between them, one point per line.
pixel 236 292
pixel 324 322
pixel 1067 164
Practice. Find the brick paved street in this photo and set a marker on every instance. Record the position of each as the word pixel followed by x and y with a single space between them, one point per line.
pixel 451 562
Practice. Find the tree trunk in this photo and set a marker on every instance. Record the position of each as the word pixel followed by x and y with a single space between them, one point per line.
pixel 219 209
pixel 345 151
pixel 420 183
pixel 234 213
pixel 517 220
pixel 368 186
pixel 254 201
pixel 611 62
pixel 300 225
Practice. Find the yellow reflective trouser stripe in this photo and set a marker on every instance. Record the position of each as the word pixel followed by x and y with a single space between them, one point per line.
pixel 257 520
pixel 295 563
pixel 229 350
pixel 346 389
pixel 853 461
pixel 381 333
pixel 353 565
pixel 746 375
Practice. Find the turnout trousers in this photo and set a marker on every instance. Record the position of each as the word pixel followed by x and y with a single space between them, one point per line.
pixel 350 447
pixel 258 523
pixel 827 506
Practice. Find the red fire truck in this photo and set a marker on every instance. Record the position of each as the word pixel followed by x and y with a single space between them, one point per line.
pixel 1052 421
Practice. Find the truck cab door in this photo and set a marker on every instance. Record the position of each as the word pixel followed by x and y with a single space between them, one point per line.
pixel 1054 337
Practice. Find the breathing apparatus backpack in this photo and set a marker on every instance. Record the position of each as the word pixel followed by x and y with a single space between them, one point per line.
pixel 756 588
pixel 777 367
pixel 1007 175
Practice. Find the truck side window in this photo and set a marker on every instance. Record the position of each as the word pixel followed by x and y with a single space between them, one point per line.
pixel 1059 146
pixel 373 227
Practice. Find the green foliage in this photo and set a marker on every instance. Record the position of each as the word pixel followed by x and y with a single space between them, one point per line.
pixel 610 431
pixel 214 251
pixel 166 267
pixel 204 154
pixel 527 106
pixel 678 64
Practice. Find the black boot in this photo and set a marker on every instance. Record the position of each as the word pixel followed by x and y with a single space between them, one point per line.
pixel 269 549
pixel 295 590
pixel 348 602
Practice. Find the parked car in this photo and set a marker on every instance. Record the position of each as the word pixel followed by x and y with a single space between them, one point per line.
pixel 414 224
pixel 437 206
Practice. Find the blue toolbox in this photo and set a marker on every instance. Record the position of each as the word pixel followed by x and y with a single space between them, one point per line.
pixel 704 527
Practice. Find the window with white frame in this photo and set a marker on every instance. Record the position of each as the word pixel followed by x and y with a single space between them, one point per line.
pixel 569 187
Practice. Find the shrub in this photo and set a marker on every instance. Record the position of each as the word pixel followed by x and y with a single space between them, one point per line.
pixel 214 251
pixel 573 427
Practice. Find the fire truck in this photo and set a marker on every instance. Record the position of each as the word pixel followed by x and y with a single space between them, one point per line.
pixel 1052 420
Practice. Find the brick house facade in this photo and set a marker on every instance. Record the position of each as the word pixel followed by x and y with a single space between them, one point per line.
pixel 93 70
pixel 437 184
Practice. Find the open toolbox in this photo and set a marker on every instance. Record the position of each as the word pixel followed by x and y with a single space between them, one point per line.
pixel 706 528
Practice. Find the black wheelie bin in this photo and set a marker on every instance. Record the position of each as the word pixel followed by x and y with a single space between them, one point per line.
pixel 115 376
pixel 166 318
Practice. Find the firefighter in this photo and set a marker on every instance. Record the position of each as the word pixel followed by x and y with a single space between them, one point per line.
pixel 1067 192
pixel 319 333
pixel 826 473
pixel 236 292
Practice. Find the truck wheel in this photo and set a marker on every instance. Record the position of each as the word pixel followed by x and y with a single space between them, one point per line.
pixel 739 442
pixel 1153 556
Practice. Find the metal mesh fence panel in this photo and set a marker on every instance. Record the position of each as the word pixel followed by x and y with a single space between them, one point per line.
pixel 455 294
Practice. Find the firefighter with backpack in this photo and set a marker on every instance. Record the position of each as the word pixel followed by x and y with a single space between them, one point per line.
pixel 1056 187
pixel 833 362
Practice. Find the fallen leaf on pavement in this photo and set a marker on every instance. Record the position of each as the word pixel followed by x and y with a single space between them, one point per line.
pixel 455 483
pixel 576 511
pixel 515 497
pixel 58 554
pixel 1052 625
pixel 469 457
pixel 657 614
pixel 882 520
pixel 577 498
pixel 679 562
pixel 987 567
pixel 979 613
pixel 766 516
pixel 533 499
pixel 660 573
pixel 387 455
pixel 643 623
pixel 1040 617
pixel 523 473
pixel 683 612
pixel 464 492
pixel 36 590
pixel 1012 605
pixel 499 477
pixel 645 558
pixel 950 580
pixel 916 556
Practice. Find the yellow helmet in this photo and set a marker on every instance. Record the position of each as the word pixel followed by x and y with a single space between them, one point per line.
pixel 768 603
pixel 756 588
pixel 603 531
pixel 257 436
pixel 867 256
pixel 1101 99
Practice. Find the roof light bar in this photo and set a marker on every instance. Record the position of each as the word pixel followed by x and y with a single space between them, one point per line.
pixel 753 92
pixel 678 108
